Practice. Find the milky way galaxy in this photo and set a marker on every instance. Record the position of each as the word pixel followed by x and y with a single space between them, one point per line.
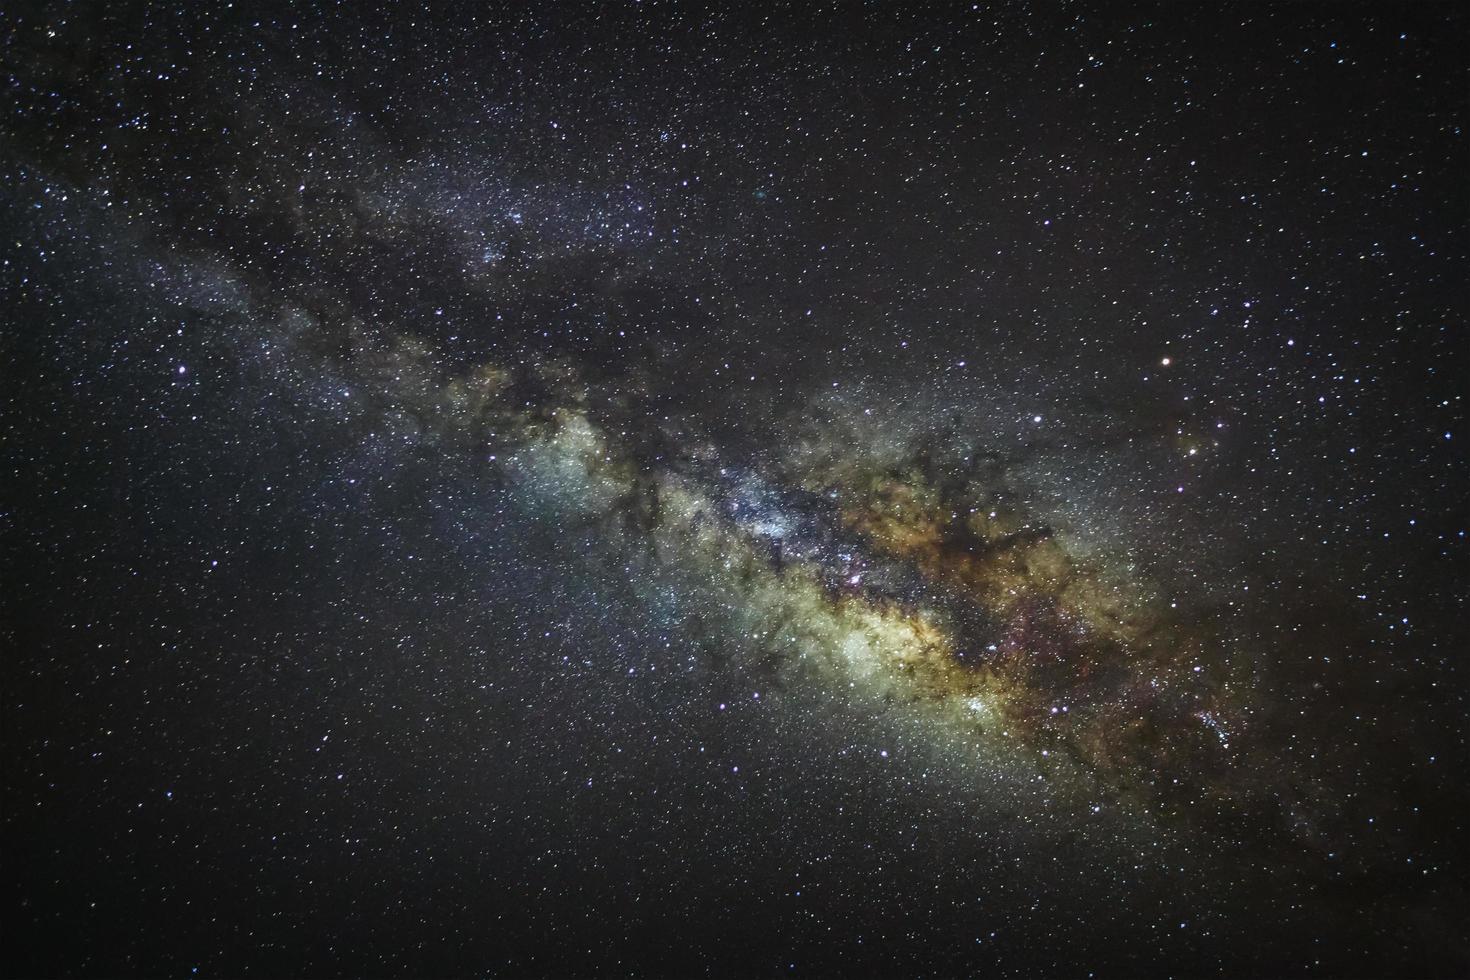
pixel 670 491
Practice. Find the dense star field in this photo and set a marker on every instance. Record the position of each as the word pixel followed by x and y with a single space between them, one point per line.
pixel 809 491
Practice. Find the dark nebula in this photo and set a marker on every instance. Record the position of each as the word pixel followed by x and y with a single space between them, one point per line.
pixel 647 490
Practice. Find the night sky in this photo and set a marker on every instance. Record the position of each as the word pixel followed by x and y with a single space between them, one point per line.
pixel 640 490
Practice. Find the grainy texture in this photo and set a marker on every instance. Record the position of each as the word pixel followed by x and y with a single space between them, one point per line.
pixel 898 489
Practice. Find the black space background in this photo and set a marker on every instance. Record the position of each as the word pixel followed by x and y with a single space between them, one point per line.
pixel 348 749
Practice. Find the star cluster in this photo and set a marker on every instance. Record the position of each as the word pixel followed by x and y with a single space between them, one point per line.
pixel 863 490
